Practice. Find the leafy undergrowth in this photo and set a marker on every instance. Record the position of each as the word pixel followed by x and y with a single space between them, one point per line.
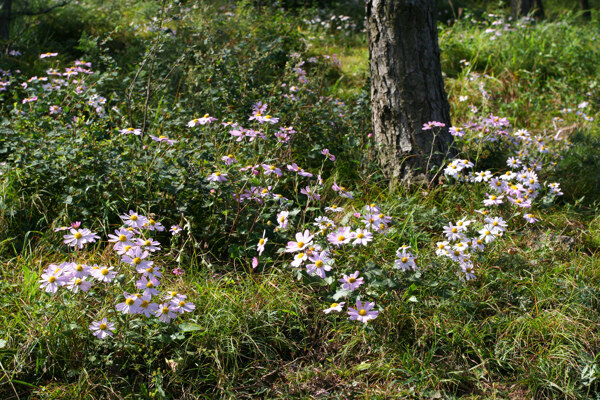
pixel 246 131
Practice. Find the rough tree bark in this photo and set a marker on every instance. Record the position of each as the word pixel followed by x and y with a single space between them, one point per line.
pixel 407 88
pixel 5 16
pixel 520 8
pixel 585 7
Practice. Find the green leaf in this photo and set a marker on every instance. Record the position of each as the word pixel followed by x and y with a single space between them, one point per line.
pixel 190 327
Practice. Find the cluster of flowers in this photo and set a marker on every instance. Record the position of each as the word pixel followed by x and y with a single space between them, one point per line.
pixel 312 250
pixel 133 243
pixel 38 87
pixel 518 186
pixel 333 23
pixel 315 251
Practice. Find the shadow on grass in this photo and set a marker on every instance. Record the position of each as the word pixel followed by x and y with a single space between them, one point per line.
pixel 579 169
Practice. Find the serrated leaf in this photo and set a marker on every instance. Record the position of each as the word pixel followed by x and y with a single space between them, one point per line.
pixel 340 294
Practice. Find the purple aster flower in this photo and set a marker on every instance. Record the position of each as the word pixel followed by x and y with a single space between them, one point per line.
pixel 342 236
pixel 166 312
pixel 103 328
pixel 130 305
pixel 145 306
pixel 362 312
pixel 79 237
pixel 134 219
pixel 217 177
pixel 320 263
pixel 352 281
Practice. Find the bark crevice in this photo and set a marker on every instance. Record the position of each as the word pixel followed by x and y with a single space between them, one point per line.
pixel 407 87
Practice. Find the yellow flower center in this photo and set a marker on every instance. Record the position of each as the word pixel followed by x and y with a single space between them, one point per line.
pixel 351 280
pixel 78 281
pixel 487 233
pixel 52 279
pixel 341 238
pixel 152 222
pixel 493 197
pixel 79 267
pixel 495 223
pixel 165 310
pixel 333 305
pixel 206 116
pixel 441 246
pixel 362 312
pixel 454 230
pixel 137 260
pixel 127 248
pixel 145 303
pixel 129 301
pixel 404 259
pixel 150 270
pixel 360 235
pixel 104 271
pixel 300 244
pixel 265 190
pixel 272 168
pixel 217 174
pixel 319 263
pixel 102 327
pixel 182 304
pixel 261 241
pixel 149 285
pixel 133 217
pixel 77 235
pixel 122 238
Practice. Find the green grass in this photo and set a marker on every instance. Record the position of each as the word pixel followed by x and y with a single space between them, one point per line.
pixel 527 327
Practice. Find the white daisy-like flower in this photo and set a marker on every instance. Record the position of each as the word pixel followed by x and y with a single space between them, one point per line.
pixel 337 307
pixel 102 328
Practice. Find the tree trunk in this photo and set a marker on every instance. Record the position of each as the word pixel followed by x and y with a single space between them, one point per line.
pixel 407 88
pixel 5 19
pixel 521 8
pixel 538 12
pixel 585 7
